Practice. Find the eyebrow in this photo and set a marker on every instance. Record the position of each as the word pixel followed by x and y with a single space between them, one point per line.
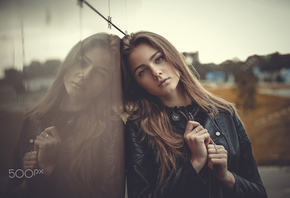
pixel 99 67
pixel 102 68
pixel 84 56
pixel 151 58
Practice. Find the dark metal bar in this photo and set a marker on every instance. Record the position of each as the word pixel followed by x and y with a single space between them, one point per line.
pixel 83 1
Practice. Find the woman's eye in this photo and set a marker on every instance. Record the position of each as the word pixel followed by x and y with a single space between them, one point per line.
pixel 141 72
pixel 159 59
pixel 82 62
pixel 99 73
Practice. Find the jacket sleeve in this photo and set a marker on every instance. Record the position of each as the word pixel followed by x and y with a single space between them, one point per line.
pixel 35 185
pixel 142 171
pixel 248 181
pixel 15 187
pixel 108 170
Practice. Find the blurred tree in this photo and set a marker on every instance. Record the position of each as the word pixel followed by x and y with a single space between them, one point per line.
pixel 36 69
pixel 279 78
pixel 33 70
pixel 15 78
pixel 246 83
pixel 50 66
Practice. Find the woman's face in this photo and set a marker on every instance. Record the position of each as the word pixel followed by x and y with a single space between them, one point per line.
pixel 89 76
pixel 152 71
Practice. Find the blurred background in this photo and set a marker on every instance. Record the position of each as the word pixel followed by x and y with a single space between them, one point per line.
pixel 241 50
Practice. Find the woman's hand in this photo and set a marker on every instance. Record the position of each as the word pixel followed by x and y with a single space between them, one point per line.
pixel 217 162
pixel 197 139
pixel 47 144
pixel 30 160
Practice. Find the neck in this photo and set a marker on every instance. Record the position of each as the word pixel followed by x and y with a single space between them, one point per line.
pixel 178 98
pixel 71 104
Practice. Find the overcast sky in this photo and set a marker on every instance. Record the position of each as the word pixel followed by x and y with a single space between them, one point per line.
pixel 217 29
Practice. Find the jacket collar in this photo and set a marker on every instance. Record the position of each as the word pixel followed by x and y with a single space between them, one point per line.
pixel 179 116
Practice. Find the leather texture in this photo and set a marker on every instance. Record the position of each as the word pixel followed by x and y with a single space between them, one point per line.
pixel 225 129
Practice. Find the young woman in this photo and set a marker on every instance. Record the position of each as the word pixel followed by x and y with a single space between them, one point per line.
pixel 180 140
pixel 72 140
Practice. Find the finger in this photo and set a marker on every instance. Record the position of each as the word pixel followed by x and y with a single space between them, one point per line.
pixel 204 137
pixel 190 125
pixel 45 134
pixel 207 136
pixel 29 167
pixel 200 132
pixel 215 146
pixel 217 150
pixel 27 154
pixel 208 140
pixel 38 143
pixel 198 129
pixel 35 147
pixel 30 157
pixel 222 162
pixel 41 138
pixel 218 146
pixel 211 148
pixel 210 164
pixel 217 156
pixel 212 151
pixel 201 135
pixel 29 163
pixel 25 157
pixel 214 162
pixel 52 131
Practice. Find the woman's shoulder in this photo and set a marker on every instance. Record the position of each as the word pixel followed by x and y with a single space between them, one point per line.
pixel 230 116
pixel 132 125
pixel 26 136
pixel 223 109
pixel 30 121
pixel 133 118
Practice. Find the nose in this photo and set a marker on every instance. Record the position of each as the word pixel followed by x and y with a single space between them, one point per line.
pixel 84 73
pixel 156 73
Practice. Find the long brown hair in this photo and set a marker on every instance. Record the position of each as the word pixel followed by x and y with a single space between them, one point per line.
pixel 155 123
pixel 95 119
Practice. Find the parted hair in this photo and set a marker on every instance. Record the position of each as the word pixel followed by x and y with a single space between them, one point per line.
pixel 155 123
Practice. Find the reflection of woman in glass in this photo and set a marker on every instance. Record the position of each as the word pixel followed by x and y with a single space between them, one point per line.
pixel 74 134
pixel 181 141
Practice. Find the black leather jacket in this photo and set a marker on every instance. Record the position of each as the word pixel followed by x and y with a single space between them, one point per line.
pixel 226 130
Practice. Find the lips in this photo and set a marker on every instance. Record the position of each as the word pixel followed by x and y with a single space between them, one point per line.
pixel 162 82
pixel 78 85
